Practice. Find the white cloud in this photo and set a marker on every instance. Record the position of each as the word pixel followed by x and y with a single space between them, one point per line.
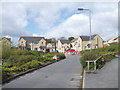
pixel 74 26
pixel 49 13
pixel 13 19
pixel 104 22
pixel 104 19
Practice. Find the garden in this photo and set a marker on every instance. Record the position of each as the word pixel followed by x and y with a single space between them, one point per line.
pixel 18 61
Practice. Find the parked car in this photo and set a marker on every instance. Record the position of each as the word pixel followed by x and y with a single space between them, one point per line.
pixel 70 52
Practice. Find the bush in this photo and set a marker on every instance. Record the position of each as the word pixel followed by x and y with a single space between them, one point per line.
pixel 82 52
pixel 30 65
pixel 49 55
pixel 8 72
pixel 16 60
pixel 90 55
pixel 26 52
pixel 47 59
pixel 109 57
pixel 87 56
pixel 6 52
pixel 59 55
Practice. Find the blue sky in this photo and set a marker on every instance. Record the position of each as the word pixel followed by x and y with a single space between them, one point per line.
pixel 55 19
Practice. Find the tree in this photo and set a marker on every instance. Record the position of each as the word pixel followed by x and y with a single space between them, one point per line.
pixel 71 38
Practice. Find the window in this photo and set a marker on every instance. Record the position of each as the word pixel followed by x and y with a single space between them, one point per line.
pixel 79 45
pixel 42 42
pixel 28 48
pixel 88 45
pixel 28 43
pixel 4 43
pixel 35 42
pixel 35 49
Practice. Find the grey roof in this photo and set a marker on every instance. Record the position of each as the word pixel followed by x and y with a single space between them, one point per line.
pixel 65 41
pixel 73 40
pixel 31 38
pixel 93 35
pixel 87 38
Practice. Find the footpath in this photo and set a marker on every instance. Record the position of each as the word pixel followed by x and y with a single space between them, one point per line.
pixel 107 77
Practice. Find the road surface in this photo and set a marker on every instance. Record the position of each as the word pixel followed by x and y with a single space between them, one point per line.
pixel 63 74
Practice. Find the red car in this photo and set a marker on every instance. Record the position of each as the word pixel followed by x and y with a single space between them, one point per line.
pixel 71 51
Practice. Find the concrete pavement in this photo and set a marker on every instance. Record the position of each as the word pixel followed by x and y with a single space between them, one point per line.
pixel 107 77
pixel 63 74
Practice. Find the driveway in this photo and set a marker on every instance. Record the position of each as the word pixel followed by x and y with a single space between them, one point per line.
pixel 107 77
pixel 63 74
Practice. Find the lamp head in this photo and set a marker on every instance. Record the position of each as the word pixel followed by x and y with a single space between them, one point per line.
pixel 80 9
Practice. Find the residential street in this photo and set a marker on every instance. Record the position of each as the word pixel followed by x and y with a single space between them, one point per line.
pixel 107 77
pixel 63 74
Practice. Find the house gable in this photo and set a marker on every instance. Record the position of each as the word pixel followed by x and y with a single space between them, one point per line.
pixel 22 42
pixel 5 42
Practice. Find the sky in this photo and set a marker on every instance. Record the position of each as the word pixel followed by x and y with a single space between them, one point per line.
pixel 58 19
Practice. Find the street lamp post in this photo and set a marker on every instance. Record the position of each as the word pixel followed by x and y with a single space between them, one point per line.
pixel 81 9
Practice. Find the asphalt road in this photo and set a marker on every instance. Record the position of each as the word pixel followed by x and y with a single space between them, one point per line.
pixel 107 77
pixel 63 74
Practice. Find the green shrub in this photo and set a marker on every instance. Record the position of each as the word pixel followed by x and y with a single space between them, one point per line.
pixel 49 55
pixel 34 64
pixel 88 56
pixel 6 52
pixel 103 52
pixel 59 55
pixel 36 53
pixel 6 73
pixel 30 65
pixel 108 49
pixel 17 60
pixel 26 52
pixel 82 52
pixel 22 60
pixel 108 58
pixel 47 59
